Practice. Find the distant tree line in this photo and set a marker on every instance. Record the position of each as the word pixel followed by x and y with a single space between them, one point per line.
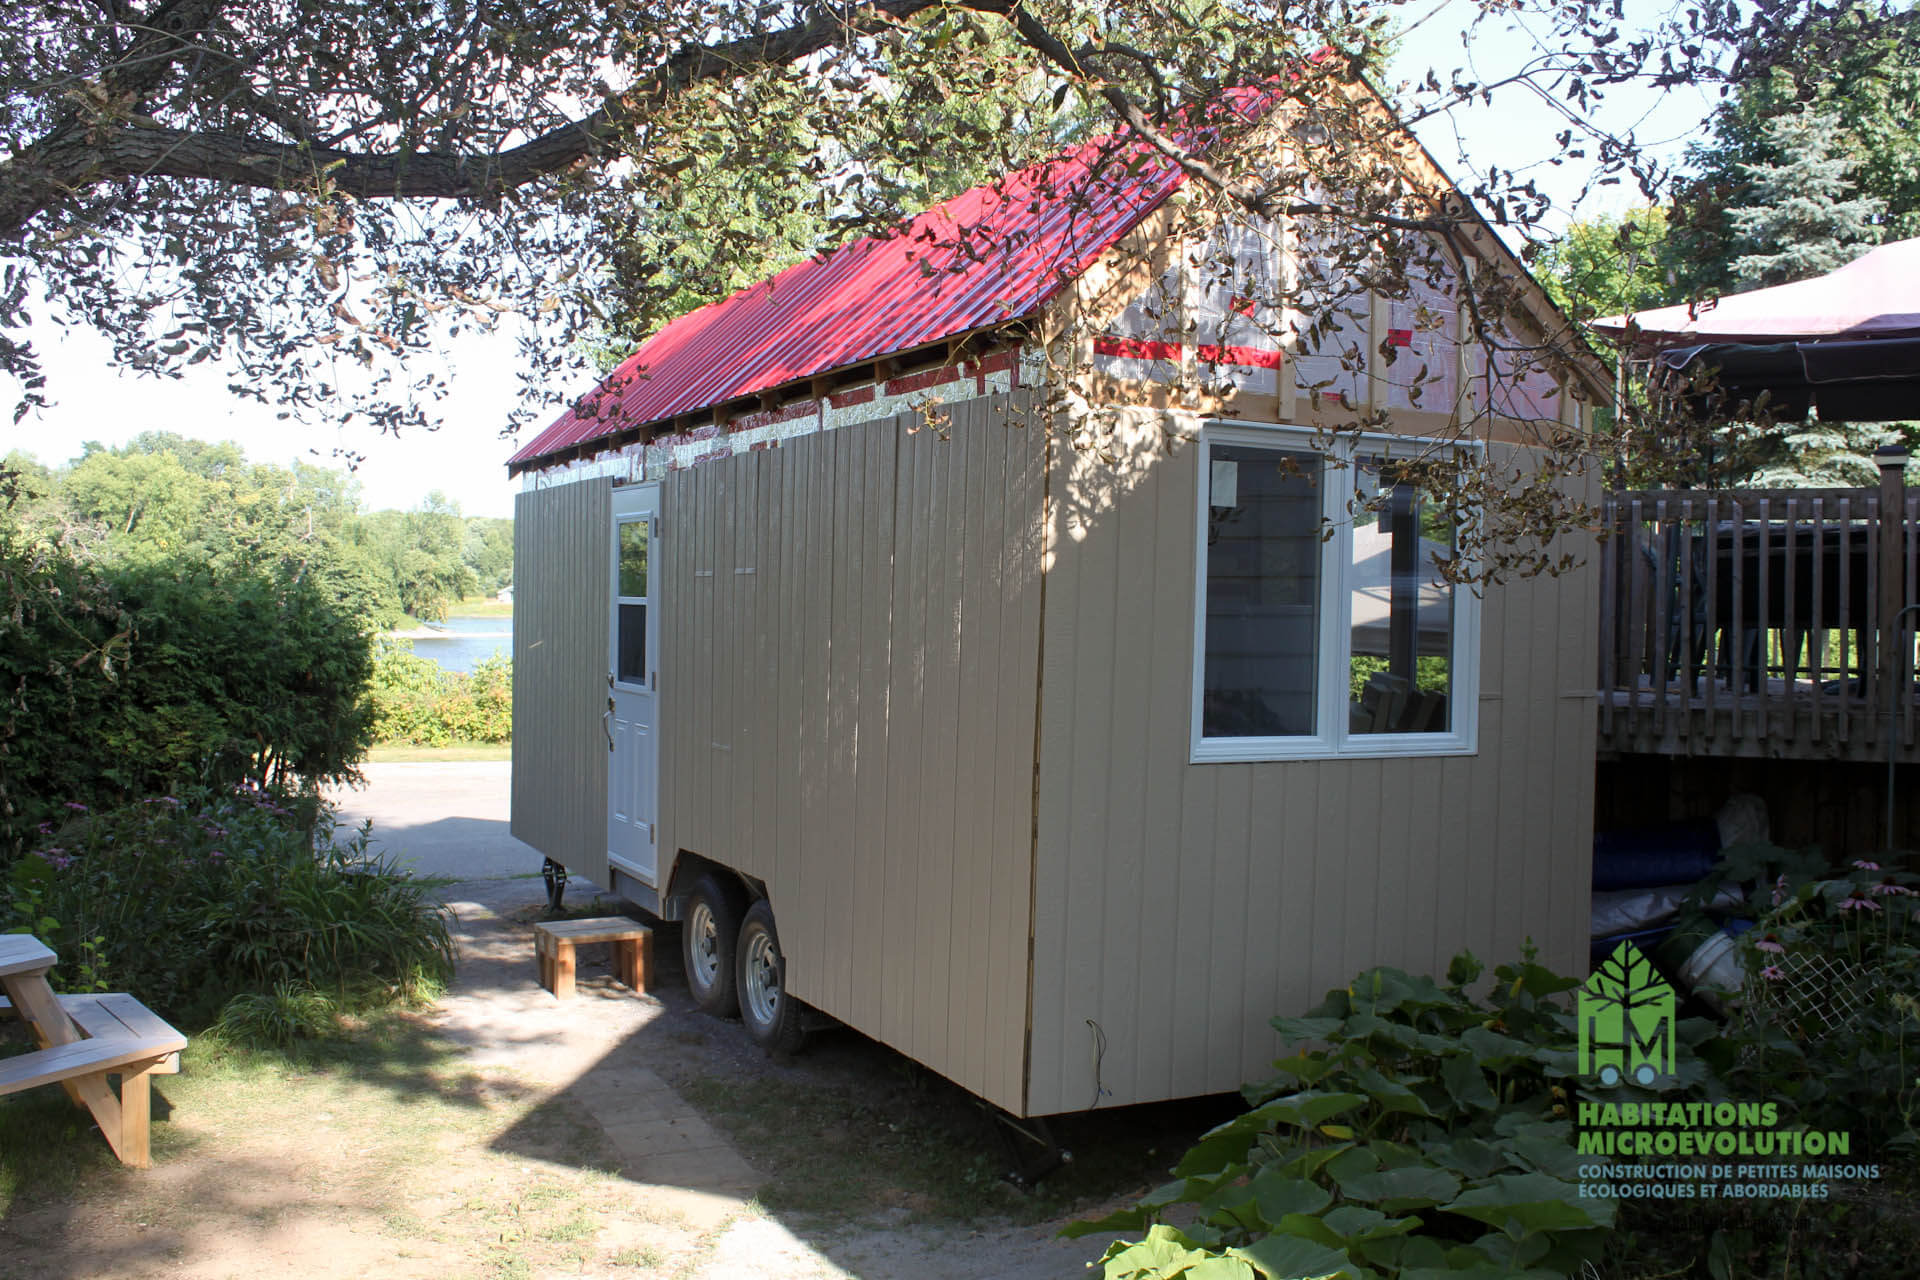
pixel 174 617
pixel 162 497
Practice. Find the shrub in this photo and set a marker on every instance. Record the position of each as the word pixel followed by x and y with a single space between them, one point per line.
pixel 414 699
pixel 238 676
pixel 290 1012
pixel 187 901
pixel 64 639
pixel 1826 1023
pixel 150 677
pixel 1430 1136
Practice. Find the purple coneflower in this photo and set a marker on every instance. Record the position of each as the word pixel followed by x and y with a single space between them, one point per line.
pixel 1779 890
pixel 1773 973
pixel 76 806
pixel 1858 901
pixel 1770 943
pixel 1863 865
pixel 1888 889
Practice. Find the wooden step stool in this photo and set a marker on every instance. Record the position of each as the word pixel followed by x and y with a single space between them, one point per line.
pixel 553 944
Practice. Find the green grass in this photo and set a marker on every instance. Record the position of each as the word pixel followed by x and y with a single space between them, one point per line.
pixel 481 607
pixel 641 1257
pixel 581 1226
pixel 47 1145
pixel 413 1078
pixel 460 753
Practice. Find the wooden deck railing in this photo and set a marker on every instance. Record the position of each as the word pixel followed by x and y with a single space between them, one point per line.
pixel 1760 622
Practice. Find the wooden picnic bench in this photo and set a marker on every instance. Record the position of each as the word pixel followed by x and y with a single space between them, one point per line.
pixel 83 1040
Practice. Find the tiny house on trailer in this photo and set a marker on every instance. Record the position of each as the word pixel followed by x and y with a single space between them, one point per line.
pixel 1060 770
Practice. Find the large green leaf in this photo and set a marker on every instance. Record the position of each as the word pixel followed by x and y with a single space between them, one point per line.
pixel 1292 1029
pixel 1229 1143
pixel 1352 1163
pixel 1468 1156
pixel 1277 1194
pixel 1168 1254
pixel 1495 1051
pixel 1357 1223
pixel 1550 1153
pixel 1522 1203
pixel 1467 1084
pixel 1407 1252
pixel 1395 1033
pixel 1216 1268
pixel 1308 1227
pixel 1309 1161
pixel 1395 1190
pixel 1291 1258
pixel 1392 991
pixel 1389 1094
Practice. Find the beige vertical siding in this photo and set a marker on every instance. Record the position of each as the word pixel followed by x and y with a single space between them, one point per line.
pixel 1179 906
pixel 849 654
pixel 562 544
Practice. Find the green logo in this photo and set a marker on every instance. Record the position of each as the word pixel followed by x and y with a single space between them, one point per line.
pixel 1626 1021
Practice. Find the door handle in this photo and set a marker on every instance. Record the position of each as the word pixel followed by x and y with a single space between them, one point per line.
pixel 606 724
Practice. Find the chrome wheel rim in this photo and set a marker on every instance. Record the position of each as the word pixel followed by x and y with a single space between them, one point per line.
pixel 761 979
pixel 703 957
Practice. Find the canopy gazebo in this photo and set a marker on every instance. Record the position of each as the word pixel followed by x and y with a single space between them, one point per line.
pixel 1846 344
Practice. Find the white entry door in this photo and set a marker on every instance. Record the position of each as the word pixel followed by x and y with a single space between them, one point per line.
pixel 633 773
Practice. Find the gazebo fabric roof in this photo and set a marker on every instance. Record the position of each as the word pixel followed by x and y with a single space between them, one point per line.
pixel 1875 295
pixel 987 256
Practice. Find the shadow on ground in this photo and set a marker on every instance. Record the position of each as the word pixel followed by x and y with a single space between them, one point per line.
pixel 862 1162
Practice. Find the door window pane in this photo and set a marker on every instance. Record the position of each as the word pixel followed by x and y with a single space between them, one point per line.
pixel 632 645
pixel 1401 642
pixel 1262 592
pixel 633 558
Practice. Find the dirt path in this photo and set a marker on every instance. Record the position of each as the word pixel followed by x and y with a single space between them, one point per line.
pixel 504 1134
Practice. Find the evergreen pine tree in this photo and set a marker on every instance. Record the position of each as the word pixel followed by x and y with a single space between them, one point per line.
pixel 1807 217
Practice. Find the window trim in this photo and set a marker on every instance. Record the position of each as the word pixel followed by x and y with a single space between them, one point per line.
pixel 644 684
pixel 1332 739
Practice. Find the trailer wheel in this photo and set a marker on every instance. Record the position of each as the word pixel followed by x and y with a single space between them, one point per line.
pixel 770 1015
pixel 707 939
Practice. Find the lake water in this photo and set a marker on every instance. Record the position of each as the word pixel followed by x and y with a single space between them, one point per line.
pixel 468 642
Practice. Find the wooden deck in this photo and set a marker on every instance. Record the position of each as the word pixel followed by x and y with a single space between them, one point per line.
pixel 1761 623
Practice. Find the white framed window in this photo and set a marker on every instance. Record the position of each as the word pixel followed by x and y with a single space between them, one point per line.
pixel 1322 626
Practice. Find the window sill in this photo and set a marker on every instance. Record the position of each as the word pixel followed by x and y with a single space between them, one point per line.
pixel 1367 747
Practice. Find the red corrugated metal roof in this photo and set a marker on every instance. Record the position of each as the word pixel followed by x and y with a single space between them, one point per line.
pixel 1025 236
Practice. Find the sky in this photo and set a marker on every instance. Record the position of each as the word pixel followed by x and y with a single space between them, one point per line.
pixel 465 458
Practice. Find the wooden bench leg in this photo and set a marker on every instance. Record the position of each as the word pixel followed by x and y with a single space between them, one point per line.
pixel 136 1114
pixel 34 1001
pixel 562 962
pixel 633 961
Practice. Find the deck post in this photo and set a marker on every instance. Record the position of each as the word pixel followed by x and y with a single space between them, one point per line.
pixel 1893 506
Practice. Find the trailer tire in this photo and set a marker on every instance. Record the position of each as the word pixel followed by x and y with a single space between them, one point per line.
pixel 770 1015
pixel 708 935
